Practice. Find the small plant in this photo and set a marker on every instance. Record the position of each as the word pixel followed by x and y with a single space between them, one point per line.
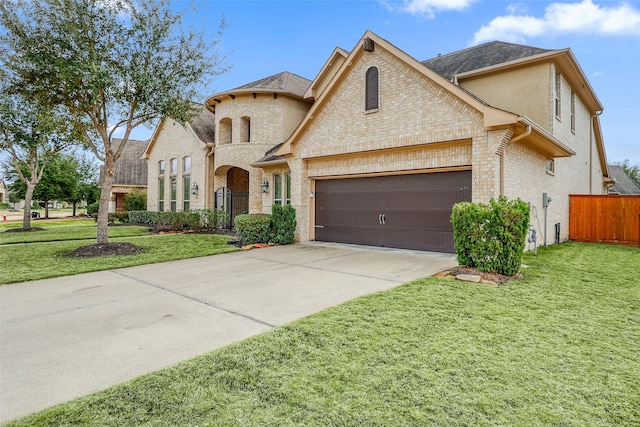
pixel 283 221
pixel 5 206
pixel 253 228
pixel 491 237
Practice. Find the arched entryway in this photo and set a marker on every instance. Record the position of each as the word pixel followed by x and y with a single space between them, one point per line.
pixel 233 197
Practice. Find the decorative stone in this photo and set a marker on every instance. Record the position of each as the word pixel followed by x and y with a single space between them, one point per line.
pixel 469 278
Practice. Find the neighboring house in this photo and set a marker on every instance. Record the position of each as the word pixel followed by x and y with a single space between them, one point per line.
pixel 379 146
pixel 624 184
pixel 130 173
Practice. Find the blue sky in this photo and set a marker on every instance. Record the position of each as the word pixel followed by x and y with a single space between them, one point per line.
pixel 266 37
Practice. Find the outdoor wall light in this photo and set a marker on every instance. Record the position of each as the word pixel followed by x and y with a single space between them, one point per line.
pixel 194 188
pixel 264 187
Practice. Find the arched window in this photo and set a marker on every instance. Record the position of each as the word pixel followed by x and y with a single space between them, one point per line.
pixel 371 89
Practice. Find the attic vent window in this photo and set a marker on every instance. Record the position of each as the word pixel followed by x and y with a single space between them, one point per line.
pixel 371 89
pixel 368 45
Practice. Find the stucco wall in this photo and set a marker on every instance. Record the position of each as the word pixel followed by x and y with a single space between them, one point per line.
pixel 523 91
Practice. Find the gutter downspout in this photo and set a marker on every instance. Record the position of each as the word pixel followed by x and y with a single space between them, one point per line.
pixel 591 131
pixel 526 133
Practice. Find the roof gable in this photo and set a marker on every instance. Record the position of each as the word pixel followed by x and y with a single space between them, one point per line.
pixel 478 57
pixel 493 117
pixel 202 125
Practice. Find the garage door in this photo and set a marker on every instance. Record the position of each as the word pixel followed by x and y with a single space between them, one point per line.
pixel 403 211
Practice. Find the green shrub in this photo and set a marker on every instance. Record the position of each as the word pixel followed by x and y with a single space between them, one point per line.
pixel 93 208
pixel 211 219
pixel 118 218
pixel 5 206
pixel 283 223
pixel 143 217
pixel 253 228
pixel 135 201
pixel 491 237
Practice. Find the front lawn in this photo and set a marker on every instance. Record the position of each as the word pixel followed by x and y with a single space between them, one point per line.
pixel 61 232
pixel 558 347
pixel 33 261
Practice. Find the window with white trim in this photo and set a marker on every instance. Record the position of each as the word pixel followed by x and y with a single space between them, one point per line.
pixel 282 188
pixel 161 186
pixel 573 111
pixel 557 93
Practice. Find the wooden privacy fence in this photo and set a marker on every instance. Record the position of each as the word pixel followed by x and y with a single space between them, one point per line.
pixel 610 219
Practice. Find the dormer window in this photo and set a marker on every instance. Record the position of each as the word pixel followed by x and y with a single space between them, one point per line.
pixel 371 89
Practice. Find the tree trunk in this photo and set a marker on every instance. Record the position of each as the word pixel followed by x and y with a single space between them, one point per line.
pixel 28 200
pixel 105 196
pixel 46 209
pixel 74 209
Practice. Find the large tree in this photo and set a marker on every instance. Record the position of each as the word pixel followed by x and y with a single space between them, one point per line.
pixel 32 136
pixel 113 65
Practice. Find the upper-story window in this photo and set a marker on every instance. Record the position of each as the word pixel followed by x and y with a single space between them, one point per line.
pixel 371 89
pixel 573 111
pixel 186 164
pixel 245 129
pixel 174 166
pixel 225 131
pixel 557 93
pixel 161 167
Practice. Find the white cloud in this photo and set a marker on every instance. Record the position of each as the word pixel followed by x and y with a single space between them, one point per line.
pixel 428 8
pixel 597 73
pixel 562 18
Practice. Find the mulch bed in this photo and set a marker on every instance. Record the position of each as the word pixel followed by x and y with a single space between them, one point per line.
pixel 18 230
pixel 97 250
pixel 486 277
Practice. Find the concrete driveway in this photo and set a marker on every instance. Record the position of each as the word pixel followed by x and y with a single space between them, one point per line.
pixel 68 337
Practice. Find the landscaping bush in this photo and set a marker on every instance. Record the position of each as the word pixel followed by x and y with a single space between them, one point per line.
pixel 211 219
pixel 93 208
pixel 283 223
pixel 118 218
pixel 491 237
pixel 143 217
pixel 5 206
pixel 135 201
pixel 253 228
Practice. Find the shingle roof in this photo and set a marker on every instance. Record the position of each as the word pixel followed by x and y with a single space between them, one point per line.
pixel 130 168
pixel 204 125
pixel 271 155
pixel 281 82
pixel 481 56
pixel 624 184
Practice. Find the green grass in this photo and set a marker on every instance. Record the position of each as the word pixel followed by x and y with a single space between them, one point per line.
pixel 62 232
pixel 558 347
pixel 23 262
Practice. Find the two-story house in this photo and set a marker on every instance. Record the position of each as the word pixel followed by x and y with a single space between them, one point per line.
pixel 379 146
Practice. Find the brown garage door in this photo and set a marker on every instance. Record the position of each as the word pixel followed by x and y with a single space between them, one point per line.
pixel 402 211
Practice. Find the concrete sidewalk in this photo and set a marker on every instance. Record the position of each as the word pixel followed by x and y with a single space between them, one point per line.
pixel 68 337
